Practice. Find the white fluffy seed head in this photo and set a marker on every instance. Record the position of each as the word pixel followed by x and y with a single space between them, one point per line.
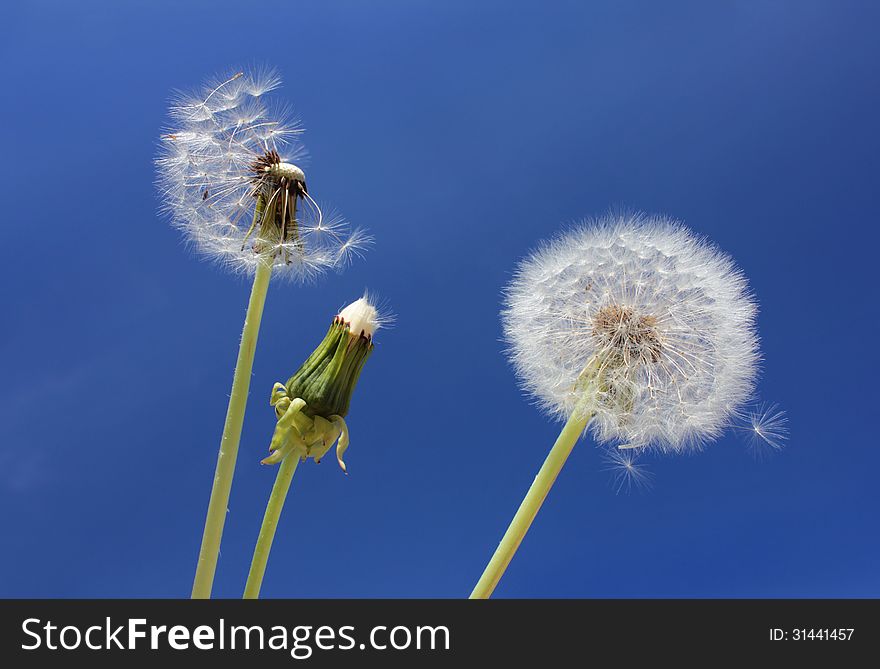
pixel 228 143
pixel 659 319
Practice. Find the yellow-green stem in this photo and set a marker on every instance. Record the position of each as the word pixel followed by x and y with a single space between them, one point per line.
pixel 270 524
pixel 241 381
pixel 528 509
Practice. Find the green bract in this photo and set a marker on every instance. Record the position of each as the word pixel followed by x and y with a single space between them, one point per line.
pixel 326 380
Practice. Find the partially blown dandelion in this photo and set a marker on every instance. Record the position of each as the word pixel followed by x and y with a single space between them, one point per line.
pixel 230 177
pixel 632 325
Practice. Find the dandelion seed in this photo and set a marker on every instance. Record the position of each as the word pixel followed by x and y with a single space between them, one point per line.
pixel 766 426
pixel 628 473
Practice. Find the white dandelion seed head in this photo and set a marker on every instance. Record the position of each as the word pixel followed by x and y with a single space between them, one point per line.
pixel 658 318
pixel 229 147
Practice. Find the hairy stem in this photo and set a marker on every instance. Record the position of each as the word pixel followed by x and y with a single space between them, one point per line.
pixel 270 524
pixel 528 509
pixel 241 381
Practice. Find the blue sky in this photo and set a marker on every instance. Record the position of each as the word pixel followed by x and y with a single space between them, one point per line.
pixel 460 134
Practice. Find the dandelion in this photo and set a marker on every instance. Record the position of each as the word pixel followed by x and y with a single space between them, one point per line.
pixel 231 178
pixel 765 425
pixel 310 409
pixel 230 175
pixel 633 326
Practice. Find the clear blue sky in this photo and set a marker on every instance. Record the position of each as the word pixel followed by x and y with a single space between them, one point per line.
pixel 460 134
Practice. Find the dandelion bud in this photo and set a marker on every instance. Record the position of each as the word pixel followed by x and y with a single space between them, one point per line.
pixel 312 405
pixel 327 378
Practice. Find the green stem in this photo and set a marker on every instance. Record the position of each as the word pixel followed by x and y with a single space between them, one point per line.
pixel 270 524
pixel 241 381
pixel 528 509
